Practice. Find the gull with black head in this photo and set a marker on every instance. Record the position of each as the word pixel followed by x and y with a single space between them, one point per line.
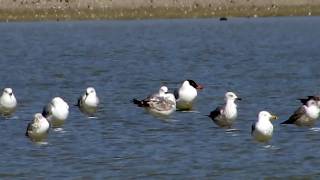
pixel 186 94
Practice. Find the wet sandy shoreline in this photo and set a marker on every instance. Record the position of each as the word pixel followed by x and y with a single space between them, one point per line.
pixel 30 10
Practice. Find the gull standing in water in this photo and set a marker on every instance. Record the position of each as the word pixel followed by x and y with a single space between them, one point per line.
pixel 262 130
pixel 56 112
pixel 89 101
pixel 305 115
pixel 186 94
pixel 162 103
pixel 8 102
pixel 38 129
pixel 224 116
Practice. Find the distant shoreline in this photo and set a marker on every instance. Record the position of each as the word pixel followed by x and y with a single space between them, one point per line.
pixel 42 10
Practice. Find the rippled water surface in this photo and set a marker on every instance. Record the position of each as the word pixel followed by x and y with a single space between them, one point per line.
pixel 269 62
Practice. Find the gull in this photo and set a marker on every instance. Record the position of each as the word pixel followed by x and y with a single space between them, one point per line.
pixel 262 130
pixel 305 115
pixel 38 129
pixel 224 116
pixel 186 94
pixel 8 102
pixel 89 101
pixel 56 112
pixel 162 103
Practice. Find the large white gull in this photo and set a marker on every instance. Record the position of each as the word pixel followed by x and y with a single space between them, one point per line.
pixel 224 116
pixel 262 129
pixel 56 112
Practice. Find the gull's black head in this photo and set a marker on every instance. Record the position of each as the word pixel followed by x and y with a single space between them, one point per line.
pixel 194 84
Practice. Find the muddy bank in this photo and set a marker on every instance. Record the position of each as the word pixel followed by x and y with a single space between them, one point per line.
pixel 19 10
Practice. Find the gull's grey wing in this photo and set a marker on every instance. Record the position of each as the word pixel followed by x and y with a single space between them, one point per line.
pixel 295 116
pixel 46 110
pixel 253 127
pixel 215 113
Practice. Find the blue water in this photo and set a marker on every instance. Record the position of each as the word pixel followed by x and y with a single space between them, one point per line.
pixel 269 62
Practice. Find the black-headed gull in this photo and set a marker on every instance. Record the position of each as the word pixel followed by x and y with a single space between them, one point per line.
pixel 186 94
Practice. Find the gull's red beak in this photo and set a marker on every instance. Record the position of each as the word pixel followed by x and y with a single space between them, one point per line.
pixel 199 87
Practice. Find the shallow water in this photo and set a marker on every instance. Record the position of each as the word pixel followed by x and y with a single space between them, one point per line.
pixel 269 62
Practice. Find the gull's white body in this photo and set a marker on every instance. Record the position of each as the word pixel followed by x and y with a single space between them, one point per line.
pixel 89 101
pixel 8 102
pixel 225 116
pixel 58 111
pixel 38 129
pixel 262 130
pixel 162 103
pixel 305 115
pixel 167 105
pixel 186 95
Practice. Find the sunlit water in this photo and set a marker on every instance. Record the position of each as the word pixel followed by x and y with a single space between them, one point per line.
pixel 269 62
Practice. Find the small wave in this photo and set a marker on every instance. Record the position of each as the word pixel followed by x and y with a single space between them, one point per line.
pixel 92 117
pixel 60 130
pixel 10 117
pixel 191 111
pixel 42 143
pixel 315 129
pixel 170 120
pixel 272 147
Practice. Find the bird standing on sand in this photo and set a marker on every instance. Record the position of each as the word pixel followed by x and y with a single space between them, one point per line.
pixel 56 112
pixel 186 94
pixel 8 102
pixel 305 115
pixel 38 129
pixel 89 101
pixel 224 116
pixel 262 130
pixel 162 103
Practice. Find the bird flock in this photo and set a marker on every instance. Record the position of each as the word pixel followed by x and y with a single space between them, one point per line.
pixel 162 103
pixel 53 114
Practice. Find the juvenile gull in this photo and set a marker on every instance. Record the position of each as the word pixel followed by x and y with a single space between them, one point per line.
pixel 38 129
pixel 262 130
pixel 162 103
pixel 305 115
pixel 186 94
pixel 89 101
pixel 8 102
pixel 56 112
pixel 224 116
